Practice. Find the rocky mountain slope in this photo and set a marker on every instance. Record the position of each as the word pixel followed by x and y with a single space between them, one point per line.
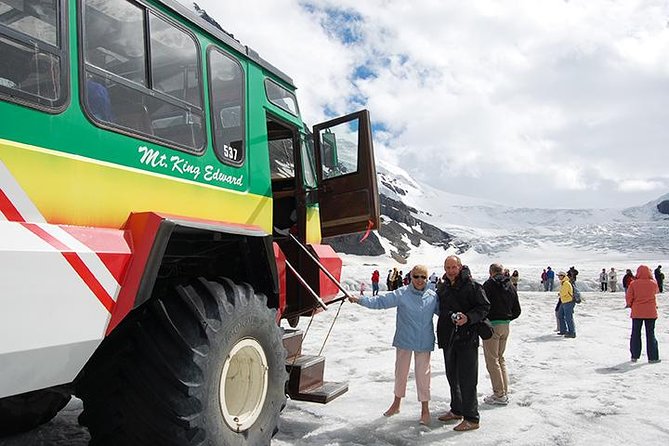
pixel 414 213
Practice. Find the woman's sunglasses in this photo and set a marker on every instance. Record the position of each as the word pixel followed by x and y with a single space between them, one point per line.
pixel 419 277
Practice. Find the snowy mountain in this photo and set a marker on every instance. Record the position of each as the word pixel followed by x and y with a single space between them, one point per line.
pixel 419 222
pixel 490 227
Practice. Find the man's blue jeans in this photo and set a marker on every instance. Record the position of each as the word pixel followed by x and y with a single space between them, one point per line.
pixel 566 315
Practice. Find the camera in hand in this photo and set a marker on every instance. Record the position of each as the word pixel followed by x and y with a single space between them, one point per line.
pixel 456 316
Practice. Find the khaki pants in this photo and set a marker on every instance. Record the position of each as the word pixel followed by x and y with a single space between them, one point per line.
pixel 421 369
pixel 493 351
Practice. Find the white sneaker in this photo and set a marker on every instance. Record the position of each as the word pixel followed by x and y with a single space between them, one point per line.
pixel 496 400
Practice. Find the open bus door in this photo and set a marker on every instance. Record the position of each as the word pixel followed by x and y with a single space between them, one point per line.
pixel 348 194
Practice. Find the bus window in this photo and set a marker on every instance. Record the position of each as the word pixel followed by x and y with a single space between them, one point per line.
pixel 114 38
pixel 227 107
pixel 32 53
pixel 281 158
pixel 174 62
pixel 281 97
pixel 160 100
pixel 308 161
pixel 175 71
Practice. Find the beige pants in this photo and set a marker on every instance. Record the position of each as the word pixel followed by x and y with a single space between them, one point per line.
pixel 493 351
pixel 422 369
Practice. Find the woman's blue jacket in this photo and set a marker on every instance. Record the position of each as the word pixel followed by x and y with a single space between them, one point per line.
pixel 414 326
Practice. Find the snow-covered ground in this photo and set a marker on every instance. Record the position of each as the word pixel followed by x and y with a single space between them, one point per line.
pixel 581 391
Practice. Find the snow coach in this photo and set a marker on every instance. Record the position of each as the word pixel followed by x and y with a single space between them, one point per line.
pixel 162 208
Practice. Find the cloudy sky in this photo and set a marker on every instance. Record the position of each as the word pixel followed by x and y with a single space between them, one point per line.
pixel 557 103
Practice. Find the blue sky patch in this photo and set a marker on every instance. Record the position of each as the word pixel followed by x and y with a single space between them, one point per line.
pixel 345 25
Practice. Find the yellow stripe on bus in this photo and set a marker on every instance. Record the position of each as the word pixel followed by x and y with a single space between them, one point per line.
pixel 74 190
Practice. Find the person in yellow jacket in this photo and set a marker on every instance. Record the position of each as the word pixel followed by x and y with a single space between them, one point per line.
pixel 566 311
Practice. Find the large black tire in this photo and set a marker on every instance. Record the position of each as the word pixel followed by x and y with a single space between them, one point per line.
pixel 167 376
pixel 20 413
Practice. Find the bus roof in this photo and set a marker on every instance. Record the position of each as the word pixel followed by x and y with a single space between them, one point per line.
pixel 226 38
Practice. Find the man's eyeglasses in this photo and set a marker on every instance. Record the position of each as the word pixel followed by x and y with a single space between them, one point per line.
pixel 419 277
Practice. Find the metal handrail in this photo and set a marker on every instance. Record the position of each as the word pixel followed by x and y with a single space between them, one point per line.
pixel 306 285
pixel 320 266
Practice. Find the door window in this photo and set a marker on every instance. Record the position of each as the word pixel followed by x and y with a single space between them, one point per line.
pixel 339 149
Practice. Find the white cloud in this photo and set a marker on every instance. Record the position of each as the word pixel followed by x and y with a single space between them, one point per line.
pixel 641 186
pixel 570 96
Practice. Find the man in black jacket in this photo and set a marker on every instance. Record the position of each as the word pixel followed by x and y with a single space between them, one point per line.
pixel 659 278
pixel 504 307
pixel 462 305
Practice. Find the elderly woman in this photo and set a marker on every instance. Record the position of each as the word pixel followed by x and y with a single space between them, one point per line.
pixel 641 299
pixel 414 335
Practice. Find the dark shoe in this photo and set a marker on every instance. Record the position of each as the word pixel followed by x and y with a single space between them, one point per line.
pixel 466 426
pixel 570 335
pixel 634 359
pixel 561 333
pixel 449 416
pixel 654 361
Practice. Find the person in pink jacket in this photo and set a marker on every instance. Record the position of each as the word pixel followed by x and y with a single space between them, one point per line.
pixel 640 298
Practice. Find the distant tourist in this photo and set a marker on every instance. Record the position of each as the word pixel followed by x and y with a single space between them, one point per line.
pixel 627 279
pixel 514 278
pixel 603 279
pixel 566 310
pixel 414 336
pixel 398 280
pixel 659 278
pixel 363 286
pixel 375 282
pixel 434 279
pixel 390 280
pixel 613 279
pixel 550 277
pixel 544 280
pixel 641 299
pixel 572 274
pixel 504 307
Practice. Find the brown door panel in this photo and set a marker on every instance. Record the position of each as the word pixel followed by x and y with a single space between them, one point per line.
pixel 346 171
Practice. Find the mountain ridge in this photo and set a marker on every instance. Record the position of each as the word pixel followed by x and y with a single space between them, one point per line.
pixel 413 213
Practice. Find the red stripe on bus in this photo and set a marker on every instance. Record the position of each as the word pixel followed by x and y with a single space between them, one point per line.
pixel 90 279
pixel 77 264
pixel 8 208
pixel 110 246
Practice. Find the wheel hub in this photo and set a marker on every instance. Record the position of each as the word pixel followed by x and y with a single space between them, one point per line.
pixel 243 384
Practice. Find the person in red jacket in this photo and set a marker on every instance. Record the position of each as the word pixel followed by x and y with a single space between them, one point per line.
pixel 641 299
pixel 375 282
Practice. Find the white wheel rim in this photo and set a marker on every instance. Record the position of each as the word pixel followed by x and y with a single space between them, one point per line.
pixel 243 384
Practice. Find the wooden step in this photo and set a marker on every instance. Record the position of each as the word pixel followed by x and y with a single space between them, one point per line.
pixel 306 372
pixel 292 342
pixel 322 394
